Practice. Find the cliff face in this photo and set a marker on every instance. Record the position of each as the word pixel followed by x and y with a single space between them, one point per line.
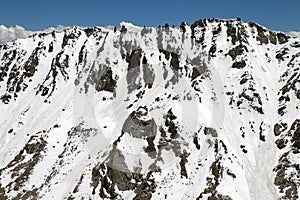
pixel 209 110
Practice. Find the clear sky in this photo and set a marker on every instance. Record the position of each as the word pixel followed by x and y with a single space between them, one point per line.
pixel 40 14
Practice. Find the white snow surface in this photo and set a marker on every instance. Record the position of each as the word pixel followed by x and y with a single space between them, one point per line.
pixel 77 125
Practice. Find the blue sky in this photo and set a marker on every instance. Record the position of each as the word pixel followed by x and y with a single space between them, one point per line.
pixel 40 14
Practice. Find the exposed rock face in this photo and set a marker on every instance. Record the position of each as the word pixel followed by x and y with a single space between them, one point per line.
pixel 138 127
pixel 207 111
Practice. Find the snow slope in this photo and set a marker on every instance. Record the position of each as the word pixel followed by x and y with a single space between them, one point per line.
pixel 207 111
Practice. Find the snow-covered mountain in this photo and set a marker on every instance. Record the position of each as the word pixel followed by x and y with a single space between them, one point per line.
pixel 294 34
pixel 207 111
pixel 11 33
pixel 8 34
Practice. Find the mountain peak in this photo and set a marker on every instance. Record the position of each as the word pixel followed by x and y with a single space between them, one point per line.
pixel 157 113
